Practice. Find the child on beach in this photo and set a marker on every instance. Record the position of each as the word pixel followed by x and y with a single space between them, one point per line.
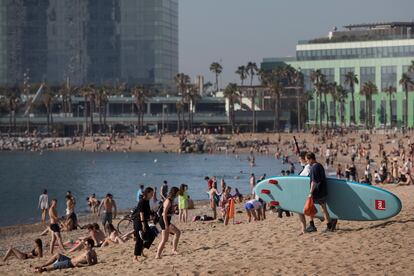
pixel 214 199
pixel 183 203
pixel 37 252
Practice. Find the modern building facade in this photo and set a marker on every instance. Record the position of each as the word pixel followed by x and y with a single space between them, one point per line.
pixel 379 53
pixel 88 41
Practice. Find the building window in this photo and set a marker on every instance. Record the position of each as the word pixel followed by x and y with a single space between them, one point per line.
pixel 367 74
pixel 307 82
pixel 388 77
pixel 329 73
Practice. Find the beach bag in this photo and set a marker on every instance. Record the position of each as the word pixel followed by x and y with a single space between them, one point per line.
pixel 310 209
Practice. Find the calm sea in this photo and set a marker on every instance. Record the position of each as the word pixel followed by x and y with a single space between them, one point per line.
pixel 25 175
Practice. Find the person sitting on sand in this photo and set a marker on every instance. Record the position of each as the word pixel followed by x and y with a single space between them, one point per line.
pixel 114 236
pixel 37 252
pixel 166 225
pixel 406 180
pixel 59 261
pixel 94 233
pixel 253 208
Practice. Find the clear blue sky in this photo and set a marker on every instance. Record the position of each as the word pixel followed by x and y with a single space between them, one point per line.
pixel 238 31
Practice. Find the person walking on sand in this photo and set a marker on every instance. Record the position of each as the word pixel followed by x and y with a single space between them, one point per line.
pixel 54 227
pixel 166 225
pixel 109 205
pixel 318 190
pixel 44 205
pixel 140 219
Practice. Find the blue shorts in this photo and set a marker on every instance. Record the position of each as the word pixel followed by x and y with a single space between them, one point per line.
pixel 62 262
pixel 249 206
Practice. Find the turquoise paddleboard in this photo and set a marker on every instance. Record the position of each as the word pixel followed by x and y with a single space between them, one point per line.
pixel 346 200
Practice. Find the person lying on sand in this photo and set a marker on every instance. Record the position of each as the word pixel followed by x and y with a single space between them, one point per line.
pixel 59 261
pixel 114 236
pixel 37 252
pixel 94 233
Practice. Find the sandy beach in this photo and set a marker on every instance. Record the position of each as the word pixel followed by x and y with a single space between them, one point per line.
pixel 270 247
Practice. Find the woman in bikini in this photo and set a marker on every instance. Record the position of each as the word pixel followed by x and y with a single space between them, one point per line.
pixel 166 225
pixel 37 252
pixel 114 237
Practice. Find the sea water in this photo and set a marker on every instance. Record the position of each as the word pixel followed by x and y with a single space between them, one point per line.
pixel 24 175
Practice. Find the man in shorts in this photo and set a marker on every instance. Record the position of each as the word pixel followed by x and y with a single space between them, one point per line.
pixel 254 209
pixel 109 205
pixel 318 190
pixel 54 227
pixel 59 261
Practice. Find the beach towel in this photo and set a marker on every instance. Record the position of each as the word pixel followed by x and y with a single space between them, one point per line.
pixel 310 209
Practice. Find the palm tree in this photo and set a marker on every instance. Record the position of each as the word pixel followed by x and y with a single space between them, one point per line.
pixel 351 79
pixel 242 72
pixel 179 106
pixel 406 83
pixel 47 99
pixel 325 89
pixel 273 82
pixel 341 97
pixel 251 70
pixel 88 92
pixel 369 89
pixel 181 81
pixel 13 102
pixel 231 93
pixel 331 89
pixel 317 78
pixel 191 97
pixel 217 69
pixel 390 90
pixel 140 96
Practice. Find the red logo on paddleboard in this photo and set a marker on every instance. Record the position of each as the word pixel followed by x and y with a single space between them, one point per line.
pixel 380 205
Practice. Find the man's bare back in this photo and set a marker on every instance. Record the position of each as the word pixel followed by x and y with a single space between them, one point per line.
pixel 53 215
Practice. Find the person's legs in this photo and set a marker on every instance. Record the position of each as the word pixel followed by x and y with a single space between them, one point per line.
pixel 302 220
pixel 44 211
pixel 249 215
pixel 177 233
pixel 164 238
pixel 326 214
pixel 13 251
pixel 53 259
pixel 59 240
pixel 185 215
pixel 52 243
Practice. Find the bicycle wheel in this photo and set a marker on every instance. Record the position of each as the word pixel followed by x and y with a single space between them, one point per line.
pixel 124 225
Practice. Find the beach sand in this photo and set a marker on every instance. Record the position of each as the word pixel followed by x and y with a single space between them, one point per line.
pixel 270 247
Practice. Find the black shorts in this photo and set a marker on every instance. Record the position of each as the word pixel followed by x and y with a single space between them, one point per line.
pixel 55 228
pixel 319 199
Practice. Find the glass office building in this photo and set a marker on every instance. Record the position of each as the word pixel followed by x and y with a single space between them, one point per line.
pixel 88 41
pixel 379 52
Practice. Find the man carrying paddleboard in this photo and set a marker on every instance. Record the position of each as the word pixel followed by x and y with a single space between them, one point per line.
pixel 318 189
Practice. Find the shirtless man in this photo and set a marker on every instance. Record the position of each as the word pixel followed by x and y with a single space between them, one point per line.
pixel 54 227
pixel 58 261
pixel 95 234
pixel 108 204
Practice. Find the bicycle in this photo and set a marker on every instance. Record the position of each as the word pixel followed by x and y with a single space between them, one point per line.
pixel 124 225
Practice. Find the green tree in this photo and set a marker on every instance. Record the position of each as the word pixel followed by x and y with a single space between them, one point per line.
pixel 318 81
pixel 140 95
pixel 217 69
pixel 181 81
pixel 179 107
pixel 369 89
pixel 232 94
pixel 341 97
pixel 351 79
pixel 406 83
pixel 273 83
pixel 242 72
pixel 390 91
